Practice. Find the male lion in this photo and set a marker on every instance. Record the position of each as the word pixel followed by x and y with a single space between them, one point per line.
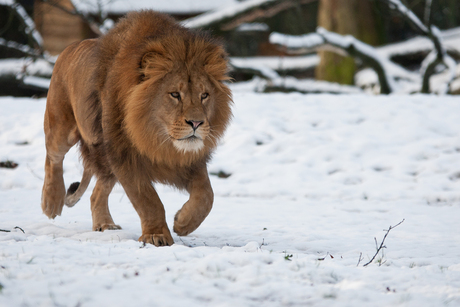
pixel 147 104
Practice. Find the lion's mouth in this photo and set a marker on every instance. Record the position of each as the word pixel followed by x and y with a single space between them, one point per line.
pixel 190 143
pixel 190 138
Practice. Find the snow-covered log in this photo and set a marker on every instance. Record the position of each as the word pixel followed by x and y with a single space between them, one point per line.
pixel 339 43
pixel 231 17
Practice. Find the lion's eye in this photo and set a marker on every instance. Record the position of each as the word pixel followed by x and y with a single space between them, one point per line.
pixel 204 96
pixel 175 95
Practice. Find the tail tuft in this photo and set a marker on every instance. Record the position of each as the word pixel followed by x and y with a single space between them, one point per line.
pixel 76 189
pixel 73 188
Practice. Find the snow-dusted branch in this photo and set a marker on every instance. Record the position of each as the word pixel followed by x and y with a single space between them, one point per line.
pixel 408 14
pixel 229 18
pixel 259 70
pixel 340 44
pixel 440 55
pixel 29 25
pixel 26 49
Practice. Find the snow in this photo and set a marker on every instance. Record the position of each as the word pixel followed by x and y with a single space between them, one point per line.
pixel 37 81
pixel 278 63
pixel 314 178
pixel 297 41
pixel 254 26
pixel 309 86
pixel 170 6
pixel 7 2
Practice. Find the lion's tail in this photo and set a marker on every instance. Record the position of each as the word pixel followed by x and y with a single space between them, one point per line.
pixel 76 189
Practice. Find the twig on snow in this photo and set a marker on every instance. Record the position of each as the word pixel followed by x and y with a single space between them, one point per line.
pixel 379 248
pixel 17 227
pixel 360 258
pixel 33 173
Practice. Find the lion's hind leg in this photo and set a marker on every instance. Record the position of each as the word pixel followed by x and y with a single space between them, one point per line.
pixel 102 220
pixel 61 134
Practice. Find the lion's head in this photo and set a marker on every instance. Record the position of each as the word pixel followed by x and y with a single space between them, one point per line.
pixel 180 105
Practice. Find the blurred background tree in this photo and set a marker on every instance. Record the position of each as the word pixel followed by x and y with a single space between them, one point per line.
pixel 245 34
pixel 354 17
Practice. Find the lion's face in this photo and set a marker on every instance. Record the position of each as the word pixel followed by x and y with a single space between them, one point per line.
pixel 188 101
pixel 180 105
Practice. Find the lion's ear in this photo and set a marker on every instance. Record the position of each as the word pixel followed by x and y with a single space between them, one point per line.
pixel 216 65
pixel 146 64
pixel 154 65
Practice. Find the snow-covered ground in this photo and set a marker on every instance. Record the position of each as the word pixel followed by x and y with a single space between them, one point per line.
pixel 314 179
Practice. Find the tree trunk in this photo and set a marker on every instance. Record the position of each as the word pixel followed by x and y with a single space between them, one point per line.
pixel 354 17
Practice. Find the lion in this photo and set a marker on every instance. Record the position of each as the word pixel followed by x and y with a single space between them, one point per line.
pixel 147 103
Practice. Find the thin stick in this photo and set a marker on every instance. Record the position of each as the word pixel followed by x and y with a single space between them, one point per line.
pixel 383 241
pixel 360 258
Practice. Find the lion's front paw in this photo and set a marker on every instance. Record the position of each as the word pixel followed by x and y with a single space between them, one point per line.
pixel 183 224
pixel 103 227
pixel 52 206
pixel 157 239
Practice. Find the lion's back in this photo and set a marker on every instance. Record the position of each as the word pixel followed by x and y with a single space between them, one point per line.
pixel 129 36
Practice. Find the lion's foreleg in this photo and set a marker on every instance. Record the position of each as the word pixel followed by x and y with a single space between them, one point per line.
pixel 102 220
pixel 148 205
pixel 197 208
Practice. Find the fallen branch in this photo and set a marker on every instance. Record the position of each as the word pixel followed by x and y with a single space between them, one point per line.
pixel 379 248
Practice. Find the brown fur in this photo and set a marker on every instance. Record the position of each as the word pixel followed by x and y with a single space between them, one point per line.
pixel 117 97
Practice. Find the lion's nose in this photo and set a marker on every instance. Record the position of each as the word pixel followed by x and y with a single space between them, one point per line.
pixel 194 123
